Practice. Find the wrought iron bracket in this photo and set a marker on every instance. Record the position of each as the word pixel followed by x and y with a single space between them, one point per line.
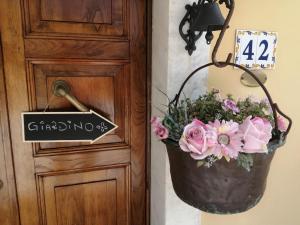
pixel 190 37
pixel 230 4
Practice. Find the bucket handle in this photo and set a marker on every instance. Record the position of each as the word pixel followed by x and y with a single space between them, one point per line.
pixel 274 106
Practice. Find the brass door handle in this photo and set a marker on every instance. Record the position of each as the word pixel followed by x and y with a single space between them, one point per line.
pixel 61 88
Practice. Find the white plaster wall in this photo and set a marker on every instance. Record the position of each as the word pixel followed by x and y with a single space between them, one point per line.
pixel 170 66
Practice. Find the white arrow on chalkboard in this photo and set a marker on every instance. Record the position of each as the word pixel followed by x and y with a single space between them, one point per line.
pixel 65 126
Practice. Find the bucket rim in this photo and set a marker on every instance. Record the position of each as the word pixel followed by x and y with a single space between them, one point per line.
pixel 275 143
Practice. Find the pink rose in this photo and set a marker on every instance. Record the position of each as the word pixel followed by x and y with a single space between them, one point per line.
pixel 160 131
pixel 155 120
pixel 257 133
pixel 195 140
pixel 281 124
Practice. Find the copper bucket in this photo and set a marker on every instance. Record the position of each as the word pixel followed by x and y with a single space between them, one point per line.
pixel 224 188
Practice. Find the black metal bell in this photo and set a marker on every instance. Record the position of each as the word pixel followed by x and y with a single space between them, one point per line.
pixel 208 18
pixel 205 16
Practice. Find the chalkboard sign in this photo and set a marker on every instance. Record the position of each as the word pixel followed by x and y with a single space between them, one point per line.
pixel 65 126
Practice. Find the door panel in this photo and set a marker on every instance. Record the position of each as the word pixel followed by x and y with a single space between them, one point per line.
pixel 101 196
pixel 70 11
pixel 102 87
pixel 76 17
pixel 99 48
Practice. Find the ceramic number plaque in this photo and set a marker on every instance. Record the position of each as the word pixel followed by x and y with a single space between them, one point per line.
pixel 256 49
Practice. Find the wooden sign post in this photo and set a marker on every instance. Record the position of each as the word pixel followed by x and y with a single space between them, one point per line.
pixel 65 126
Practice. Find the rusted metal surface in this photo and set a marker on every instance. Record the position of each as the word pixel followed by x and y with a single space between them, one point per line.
pixel 224 188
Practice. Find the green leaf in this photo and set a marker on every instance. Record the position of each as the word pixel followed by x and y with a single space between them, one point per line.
pixel 245 161
pixel 200 163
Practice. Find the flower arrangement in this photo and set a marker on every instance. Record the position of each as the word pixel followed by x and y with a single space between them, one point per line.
pixel 211 128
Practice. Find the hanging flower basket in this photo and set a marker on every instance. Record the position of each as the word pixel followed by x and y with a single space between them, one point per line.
pixel 220 150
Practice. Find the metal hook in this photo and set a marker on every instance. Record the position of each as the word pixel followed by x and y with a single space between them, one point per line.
pixel 229 4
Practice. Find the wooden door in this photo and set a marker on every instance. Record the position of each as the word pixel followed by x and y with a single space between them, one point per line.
pixel 99 48
pixel 8 200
